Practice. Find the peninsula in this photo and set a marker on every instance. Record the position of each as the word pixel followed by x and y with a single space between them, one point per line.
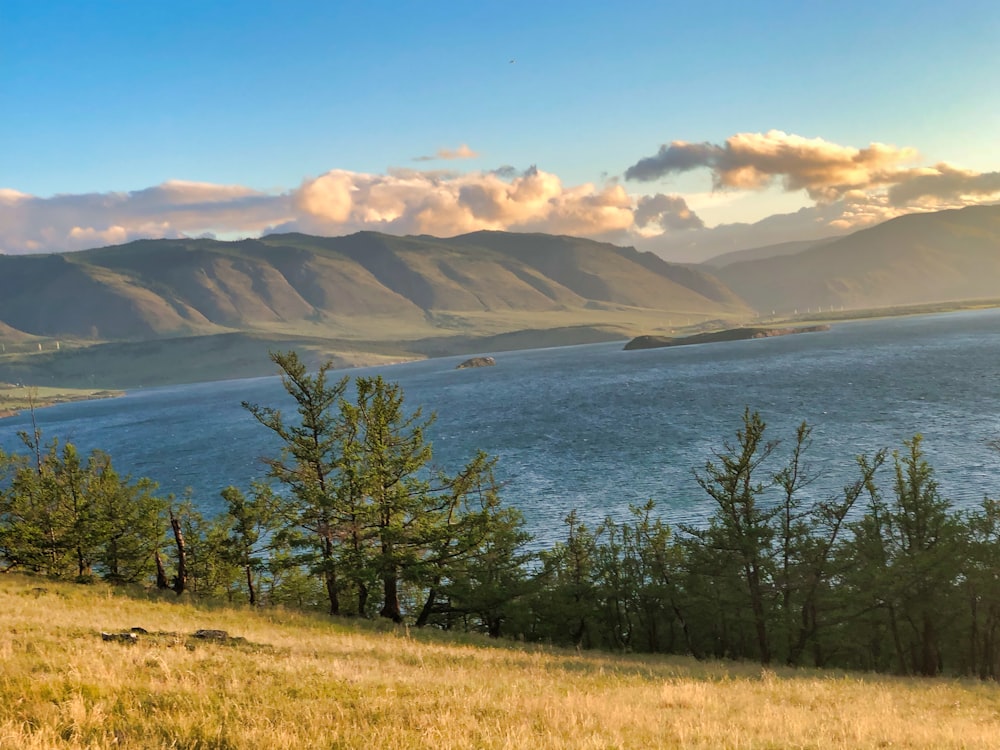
pixel 15 398
pixel 711 337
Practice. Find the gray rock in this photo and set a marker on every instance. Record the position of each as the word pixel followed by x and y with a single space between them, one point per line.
pixel 120 637
pixel 212 635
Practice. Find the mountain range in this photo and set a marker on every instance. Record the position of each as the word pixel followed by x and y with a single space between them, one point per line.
pixel 914 259
pixel 363 298
pixel 170 310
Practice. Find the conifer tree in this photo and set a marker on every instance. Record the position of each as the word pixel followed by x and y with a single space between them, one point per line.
pixel 357 466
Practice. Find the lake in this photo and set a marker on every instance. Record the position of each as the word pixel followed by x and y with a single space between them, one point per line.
pixel 596 428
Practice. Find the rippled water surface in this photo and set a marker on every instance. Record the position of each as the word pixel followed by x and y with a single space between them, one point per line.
pixel 596 428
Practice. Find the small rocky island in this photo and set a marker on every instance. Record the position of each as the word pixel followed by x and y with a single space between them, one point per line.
pixel 730 334
pixel 477 362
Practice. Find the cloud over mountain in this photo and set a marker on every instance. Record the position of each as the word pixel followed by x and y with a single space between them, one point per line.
pixel 943 182
pixel 851 188
pixel 842 188
pixel 71 222
pixel 750 161
pixel 403 201
pixel 426 203
pixel 665 212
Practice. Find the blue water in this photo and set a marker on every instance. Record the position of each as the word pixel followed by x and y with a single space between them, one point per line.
pixel 596 428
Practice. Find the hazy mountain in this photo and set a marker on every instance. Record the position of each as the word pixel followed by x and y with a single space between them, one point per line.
pixel 422 294
pixel 913 259
pixel 760 253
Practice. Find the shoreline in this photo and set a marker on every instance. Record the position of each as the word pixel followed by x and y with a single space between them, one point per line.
pixel 51 396
pixel 26 398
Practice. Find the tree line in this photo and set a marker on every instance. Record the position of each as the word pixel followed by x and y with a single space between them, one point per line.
pixel 884 575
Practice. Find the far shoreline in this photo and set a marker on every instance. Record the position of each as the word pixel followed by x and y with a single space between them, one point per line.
pixel 46 396
pixel 17 399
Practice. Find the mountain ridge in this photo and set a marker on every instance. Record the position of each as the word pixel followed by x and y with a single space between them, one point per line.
pixel 917 258
pixel 357 293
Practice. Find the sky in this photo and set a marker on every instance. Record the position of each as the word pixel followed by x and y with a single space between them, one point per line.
pixel 688 129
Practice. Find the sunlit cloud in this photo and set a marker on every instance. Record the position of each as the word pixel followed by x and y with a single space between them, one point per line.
pixel 447 154
pixel 850 188
pixel 665 212
pixel 944 182
pixel 753 161
pixel 402 201
pixel 174 209
pixel 428 203
pixel 826 189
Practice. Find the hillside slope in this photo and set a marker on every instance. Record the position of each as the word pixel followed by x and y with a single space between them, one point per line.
pixel 913 259
pixel 298 681
pixel 182 310
pixel 154 288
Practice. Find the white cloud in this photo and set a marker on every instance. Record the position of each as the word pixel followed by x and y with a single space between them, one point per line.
pixel 73 222
pixel 849 187
pixel 404 201
pixel 752 161
pixel 412 202
pixel 447 154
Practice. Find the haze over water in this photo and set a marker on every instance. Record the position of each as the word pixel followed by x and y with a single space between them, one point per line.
pixel 596 428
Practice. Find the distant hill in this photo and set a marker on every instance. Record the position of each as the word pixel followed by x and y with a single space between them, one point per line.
pixel 363 292
pixel 913 259
pixel 760 253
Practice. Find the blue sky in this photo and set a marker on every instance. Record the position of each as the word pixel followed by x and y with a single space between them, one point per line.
pixel 128 119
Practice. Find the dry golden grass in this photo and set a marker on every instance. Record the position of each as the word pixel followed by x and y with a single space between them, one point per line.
pixel 16 398
pixel 306 682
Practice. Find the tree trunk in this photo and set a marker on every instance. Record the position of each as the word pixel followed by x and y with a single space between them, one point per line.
pixel 250 587
pixel 757 606
pixel 425 612
pixel 331 592
pixel 82 568
pixel 113 570
pixel 330 577
pixel 688 641
pixel 161 574
pixel 390 607
pixel 897 642
pixel 930 661
pixel 362 599
pixel 180 580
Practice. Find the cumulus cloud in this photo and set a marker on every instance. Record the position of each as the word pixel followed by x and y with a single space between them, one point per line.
pixel 751 161
pixel 72 222
pixel 665 212
pixel 850 188
pixel 462 152
pixel 945 183
pixel 403 201
pixel 427 203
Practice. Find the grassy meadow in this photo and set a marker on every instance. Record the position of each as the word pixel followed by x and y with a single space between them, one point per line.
pixel 300 681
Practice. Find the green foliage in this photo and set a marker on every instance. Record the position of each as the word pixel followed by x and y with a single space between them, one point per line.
pixel 65 517
pixel 252 535
pixel 376 523
pixel 905 563
pixel 735 550
pixel 880 576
